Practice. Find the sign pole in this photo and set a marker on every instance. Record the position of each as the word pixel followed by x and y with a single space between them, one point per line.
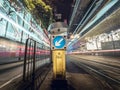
pixel 58 32
pixel 58 56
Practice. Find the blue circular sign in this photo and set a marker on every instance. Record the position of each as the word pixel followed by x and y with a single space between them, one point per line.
pixel 59 42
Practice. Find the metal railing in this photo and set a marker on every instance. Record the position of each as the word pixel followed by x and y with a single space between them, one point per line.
pixel 36 56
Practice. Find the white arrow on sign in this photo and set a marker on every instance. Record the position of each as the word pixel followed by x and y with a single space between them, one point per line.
pixel 57 43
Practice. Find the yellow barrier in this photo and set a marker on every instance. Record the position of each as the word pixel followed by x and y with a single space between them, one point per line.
pixel 59 64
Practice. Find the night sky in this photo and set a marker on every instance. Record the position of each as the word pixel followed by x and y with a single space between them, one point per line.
pixel 63 7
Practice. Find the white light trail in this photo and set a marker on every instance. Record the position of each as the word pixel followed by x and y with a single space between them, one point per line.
pixel 18 26
pixel 41 35
pixel 28 23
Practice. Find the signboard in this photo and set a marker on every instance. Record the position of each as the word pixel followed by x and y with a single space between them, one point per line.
pixel 58 42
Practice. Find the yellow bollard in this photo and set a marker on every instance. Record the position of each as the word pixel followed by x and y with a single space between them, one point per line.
pixel 59 64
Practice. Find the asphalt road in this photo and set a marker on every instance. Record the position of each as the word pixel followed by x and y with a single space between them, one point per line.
pixel 104 69
pixel 12 71
pixel 82 73
pixel 77 78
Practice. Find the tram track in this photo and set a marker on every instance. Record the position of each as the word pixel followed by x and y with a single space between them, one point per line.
pixel 107 69
pixel 99 73
pixel 85 78
pixel 108 65
pixel 91 69
pixel 108 62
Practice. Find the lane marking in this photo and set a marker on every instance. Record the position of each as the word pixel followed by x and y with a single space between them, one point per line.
pixel 9 81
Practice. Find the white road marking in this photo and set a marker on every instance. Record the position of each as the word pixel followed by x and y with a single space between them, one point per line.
pixel 6 83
